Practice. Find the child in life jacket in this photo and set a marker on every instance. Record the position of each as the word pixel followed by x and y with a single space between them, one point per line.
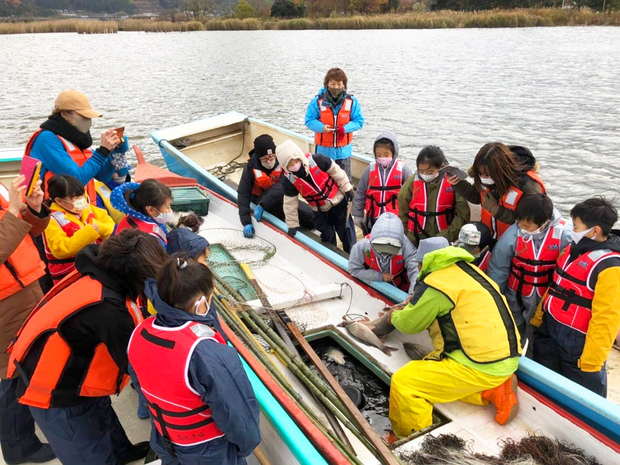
pixel 500 180
pixel 475 237
pixel 524 258
pixel 119 177
pixel 579 316
pixel 147 206
pixel 385 255
pixel 73 225
pixel 378 188
pixel 184 365
pixel 428 205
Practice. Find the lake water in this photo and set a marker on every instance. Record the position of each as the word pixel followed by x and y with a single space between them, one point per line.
pixel 554 90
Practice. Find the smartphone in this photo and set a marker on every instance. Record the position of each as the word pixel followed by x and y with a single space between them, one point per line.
pixel 120 132
pixel 31 169
pixel 454 171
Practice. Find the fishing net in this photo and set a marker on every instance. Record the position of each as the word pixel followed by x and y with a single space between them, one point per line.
pixel 283 289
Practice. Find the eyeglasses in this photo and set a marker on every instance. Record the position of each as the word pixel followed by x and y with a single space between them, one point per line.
pixel 267 157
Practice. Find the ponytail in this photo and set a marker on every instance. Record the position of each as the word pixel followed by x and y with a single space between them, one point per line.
pixel 181 280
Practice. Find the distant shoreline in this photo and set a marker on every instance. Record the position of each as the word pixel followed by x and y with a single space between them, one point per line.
pixel 530 17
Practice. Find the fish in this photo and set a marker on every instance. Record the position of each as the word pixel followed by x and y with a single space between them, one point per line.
pixel 364 334
pixel 415 351
pixel 335 355
pixel 381 326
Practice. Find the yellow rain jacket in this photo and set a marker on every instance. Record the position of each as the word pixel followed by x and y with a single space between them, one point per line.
pixel 62 246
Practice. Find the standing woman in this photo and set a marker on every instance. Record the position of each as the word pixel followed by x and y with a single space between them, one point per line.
pixel 500 180
pixel 147 206
pixel 428 205
pixel 201 402
pixel 71 354
pixel 334 115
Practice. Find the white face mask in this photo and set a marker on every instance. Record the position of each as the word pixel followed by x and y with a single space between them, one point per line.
pixel 577 236
pixel 529 235
pixel 78 205
pixel 486 181
pixel 295 167
pixel 164 218
pixel 198 304
pixel 269 164
pixel 429 177
pixel 384 161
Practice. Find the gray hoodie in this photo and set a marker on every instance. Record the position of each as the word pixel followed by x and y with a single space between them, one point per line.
pixel 501 263
pixel 389 226
pixel 362 186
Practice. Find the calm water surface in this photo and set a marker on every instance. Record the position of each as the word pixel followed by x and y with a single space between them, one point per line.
pixel 555 90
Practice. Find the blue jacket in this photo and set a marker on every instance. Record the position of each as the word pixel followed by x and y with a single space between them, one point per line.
pixel 117 199
pixel 313 122
pixel 216 373
pixel 49 149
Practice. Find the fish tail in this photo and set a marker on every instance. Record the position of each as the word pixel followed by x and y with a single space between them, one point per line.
pixel 387 350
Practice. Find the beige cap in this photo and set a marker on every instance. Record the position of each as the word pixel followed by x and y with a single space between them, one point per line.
pixel 72 100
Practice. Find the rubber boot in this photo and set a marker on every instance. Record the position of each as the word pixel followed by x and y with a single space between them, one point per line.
pixel 504 397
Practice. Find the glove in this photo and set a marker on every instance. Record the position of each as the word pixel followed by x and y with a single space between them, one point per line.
pixel 122 147
pixel 118 161
pixel 258 213
pixel 292 231
pixel 340 132
pixel 349 195
pixel 248 231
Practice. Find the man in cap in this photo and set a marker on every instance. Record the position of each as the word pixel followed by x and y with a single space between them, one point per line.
pixel 475 340
pixel 475 237
pixel 63 143
pixel 260 184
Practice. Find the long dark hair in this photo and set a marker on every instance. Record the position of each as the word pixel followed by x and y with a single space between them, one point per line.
pixel 150 193
pixel 133 256
pixel 431 155
pixel 501 164
pixel 181 279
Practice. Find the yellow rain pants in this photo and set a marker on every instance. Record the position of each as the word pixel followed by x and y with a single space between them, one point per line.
pixel 422 383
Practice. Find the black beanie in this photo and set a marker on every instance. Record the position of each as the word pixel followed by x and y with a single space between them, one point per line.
pixel 263 145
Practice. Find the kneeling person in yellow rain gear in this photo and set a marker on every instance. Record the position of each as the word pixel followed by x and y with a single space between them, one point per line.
pixel 475 339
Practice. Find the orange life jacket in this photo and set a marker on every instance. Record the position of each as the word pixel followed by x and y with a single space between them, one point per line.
pixel 263 181
pixel 532 271
pixel 484 262
pixel 178 412
pixel 61 267
pixel 331 139
pixel 24 266
pixel 382 197
pixel 102 376
pixel 322 188
pixel 129 222
pixel 569 298
pixel 397 267
pixel 420 210
pixel 510 201
pixel 77 155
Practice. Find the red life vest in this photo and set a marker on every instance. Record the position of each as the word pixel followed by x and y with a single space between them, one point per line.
pixel 45 373
pixel 420 211
pixel 569 298
pixel 331 139
pixel 484 263
pixel 61 267
pixel 129 222
pixel 263 181
pixel 322 188
pixel 382 197
pixel 532 271
pixel 178 412
pixel 397 267
pixel 510 201
pixel 23 266
pixel 77 155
